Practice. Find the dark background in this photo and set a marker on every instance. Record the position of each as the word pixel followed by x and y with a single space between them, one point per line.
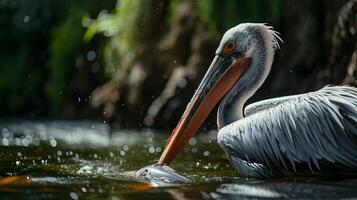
pixel 137 63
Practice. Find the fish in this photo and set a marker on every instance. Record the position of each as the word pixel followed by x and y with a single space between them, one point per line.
pixel 160 174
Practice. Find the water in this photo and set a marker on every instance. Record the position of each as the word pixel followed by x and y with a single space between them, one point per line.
pixel 81 160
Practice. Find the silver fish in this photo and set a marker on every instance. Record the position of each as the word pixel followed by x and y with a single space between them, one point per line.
pixel 160 173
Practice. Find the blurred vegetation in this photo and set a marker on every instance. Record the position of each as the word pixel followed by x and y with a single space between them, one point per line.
pixel 140 30
pixel 42 47
pixel 138 62
pixel 238 11
pixel 63 50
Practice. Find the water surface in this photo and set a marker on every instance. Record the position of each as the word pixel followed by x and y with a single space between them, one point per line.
pixel 83 160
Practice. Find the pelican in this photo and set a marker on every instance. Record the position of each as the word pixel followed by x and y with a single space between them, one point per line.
pixel 311 133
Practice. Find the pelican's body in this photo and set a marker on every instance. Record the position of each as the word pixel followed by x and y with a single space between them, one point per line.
pixel 314 132
pixel 307 133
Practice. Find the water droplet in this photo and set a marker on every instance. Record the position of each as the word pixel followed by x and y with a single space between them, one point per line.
pixel 25 142
pixel 206 153
pixel 17 162
pixel 53 142
pixel 194 150
pixel 182 83
pixel 158 149
pixel 193 141
pixel 111 154
pixel 152 150
pixel 19 154
pixel 122 153
pixel 59 153
pixel 91 55
pixel 17 141
pixel 84 189
pixel 5 132
pixel 26 19
pixel 74 195
pixel 5 142
pixel 125 147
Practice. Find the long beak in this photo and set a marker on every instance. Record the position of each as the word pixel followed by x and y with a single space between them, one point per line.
pixel 222 74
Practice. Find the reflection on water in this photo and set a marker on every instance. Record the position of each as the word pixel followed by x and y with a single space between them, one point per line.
pixel 290 188
pixel 76 160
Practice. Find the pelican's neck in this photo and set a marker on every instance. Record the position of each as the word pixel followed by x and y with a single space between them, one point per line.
pixel 231 107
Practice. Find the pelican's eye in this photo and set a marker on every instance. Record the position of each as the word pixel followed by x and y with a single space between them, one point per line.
pixel 229 47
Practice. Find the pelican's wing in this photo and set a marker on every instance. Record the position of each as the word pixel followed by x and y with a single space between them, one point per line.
pixel 316 131
pixel 265 104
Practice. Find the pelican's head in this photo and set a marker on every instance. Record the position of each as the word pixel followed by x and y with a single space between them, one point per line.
pixel 245 38
pixel 234 55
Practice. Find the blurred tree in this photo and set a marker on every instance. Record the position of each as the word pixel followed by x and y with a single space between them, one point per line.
pixel 310 57
pixel 158 46
pixel 40 55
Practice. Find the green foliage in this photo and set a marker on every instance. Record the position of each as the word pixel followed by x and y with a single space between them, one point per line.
pixel 63 52
pixel 41 43
pixel 21 76
pixel 220 15
pixel 120 22
pixel 209 13
pixel 173 4
pixel 118 26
